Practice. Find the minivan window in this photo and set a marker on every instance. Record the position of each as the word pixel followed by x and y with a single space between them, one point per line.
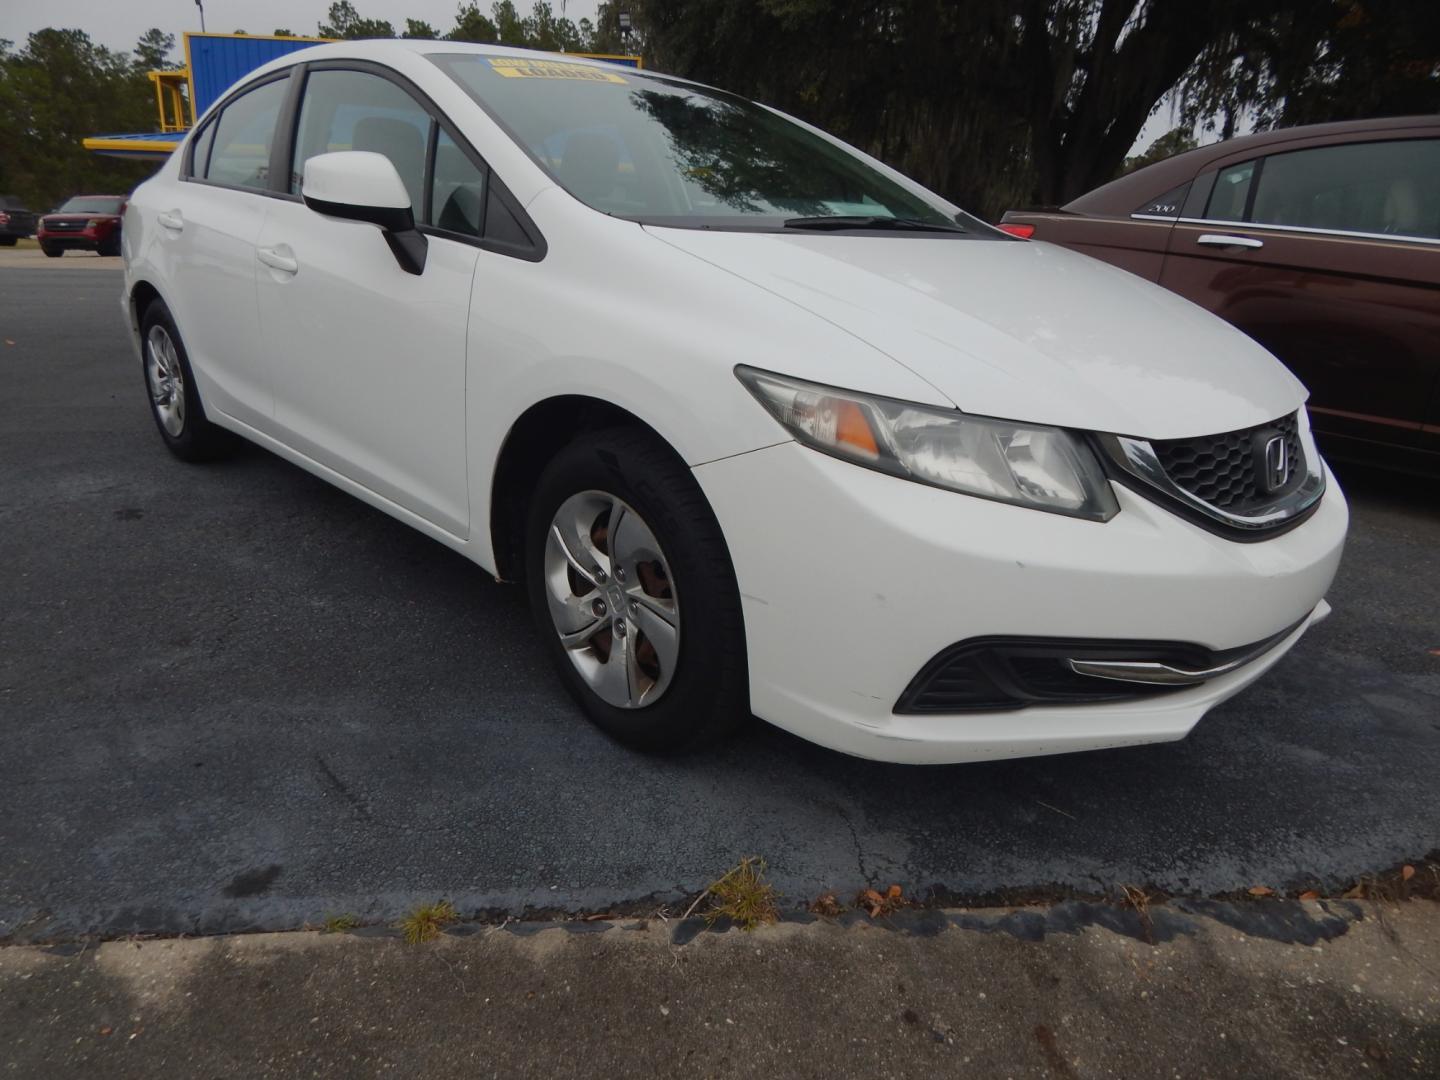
pixel 241 152
pixel 1231 193
pixel 658 151
pixel 354 110
pixel 1370 187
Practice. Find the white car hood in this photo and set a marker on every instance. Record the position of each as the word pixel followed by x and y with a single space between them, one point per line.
pixel 1023 331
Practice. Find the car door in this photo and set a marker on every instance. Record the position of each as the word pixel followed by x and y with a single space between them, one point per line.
pixel 1329 256
pixel 207 225
pixel 370 360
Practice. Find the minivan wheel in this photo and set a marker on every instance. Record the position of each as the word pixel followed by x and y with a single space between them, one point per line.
pixel 170 387
pixel 632 589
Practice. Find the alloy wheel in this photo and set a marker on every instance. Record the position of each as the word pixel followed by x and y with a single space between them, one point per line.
pixel 612 599
pixel 166 380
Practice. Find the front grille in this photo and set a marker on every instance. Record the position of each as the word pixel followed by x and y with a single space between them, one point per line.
pixel 1226 470
pixel 65 226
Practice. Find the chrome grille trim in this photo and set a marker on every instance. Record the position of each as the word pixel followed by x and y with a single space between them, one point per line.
pixel 1137 458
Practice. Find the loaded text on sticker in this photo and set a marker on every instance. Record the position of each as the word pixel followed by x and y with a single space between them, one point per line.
pixel 513 67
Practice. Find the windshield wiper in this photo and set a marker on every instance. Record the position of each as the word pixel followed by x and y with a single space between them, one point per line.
pixel 837 222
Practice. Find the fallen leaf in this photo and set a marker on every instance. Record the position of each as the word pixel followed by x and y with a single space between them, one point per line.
pixel 1407 872
pixel 893 893
pixel 1309 894
pixel 872 902
pixel 1355 892
pixel 106 1030
pixel 1261 890
pixel 9 342
pixel 826 904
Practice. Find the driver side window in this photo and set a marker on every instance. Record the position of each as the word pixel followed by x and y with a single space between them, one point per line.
pixel 354 110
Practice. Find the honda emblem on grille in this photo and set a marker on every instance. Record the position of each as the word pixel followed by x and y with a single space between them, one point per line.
pixel 1277 463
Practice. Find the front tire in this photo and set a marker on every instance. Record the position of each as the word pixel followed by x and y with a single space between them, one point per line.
pixel 8 241
pixel 170 386
pixel 52 251
pixel 632 589
pixel 109 247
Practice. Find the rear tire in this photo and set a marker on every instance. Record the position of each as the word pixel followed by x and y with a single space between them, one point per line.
pixel 52 251
pixel 8 241
pixel 668 565
pixel 170 388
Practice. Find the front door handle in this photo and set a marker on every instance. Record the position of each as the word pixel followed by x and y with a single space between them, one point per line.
pixel 170 219
pixel 1222 240
pixel 278 258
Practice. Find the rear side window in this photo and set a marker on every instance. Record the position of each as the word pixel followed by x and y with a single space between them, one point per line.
pixel 1231 194
pixel 1375 187
pixel 240 155
pixel 354 110
pixel 1167 205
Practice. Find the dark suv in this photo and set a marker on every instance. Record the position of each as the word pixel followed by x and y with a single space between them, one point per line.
pixel 16 222
pixel 83 223
pixel 1322 243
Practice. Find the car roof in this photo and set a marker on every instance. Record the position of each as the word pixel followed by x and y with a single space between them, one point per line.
pixel 1124 195
pixel 378 48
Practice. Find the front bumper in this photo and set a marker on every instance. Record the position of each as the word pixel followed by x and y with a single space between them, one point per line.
pixel 852 580
pixel 71 241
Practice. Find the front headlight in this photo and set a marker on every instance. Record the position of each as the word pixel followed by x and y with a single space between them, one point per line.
pixel 1045 468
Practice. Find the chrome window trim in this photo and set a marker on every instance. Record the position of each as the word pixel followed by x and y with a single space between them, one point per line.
pixel 1429 240
pixel 1138 457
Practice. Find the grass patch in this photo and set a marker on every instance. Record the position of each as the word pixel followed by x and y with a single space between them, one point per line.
pixel 743 896
pixel 27 243
pixel 426 921
pixel 338 924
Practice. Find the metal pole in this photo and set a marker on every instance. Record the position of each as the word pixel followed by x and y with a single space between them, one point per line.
pixel 199 4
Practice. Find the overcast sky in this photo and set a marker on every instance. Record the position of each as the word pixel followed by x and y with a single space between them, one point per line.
pixel 118 23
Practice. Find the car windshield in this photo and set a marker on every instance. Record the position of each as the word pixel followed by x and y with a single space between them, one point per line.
pixel 90 204
pixel 661 152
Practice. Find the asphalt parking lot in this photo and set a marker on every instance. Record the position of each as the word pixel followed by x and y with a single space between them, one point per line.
pixel 232 696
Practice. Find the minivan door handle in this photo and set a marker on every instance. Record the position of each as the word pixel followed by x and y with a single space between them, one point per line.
pixel 278 259
pixel 170 219
pixel 1222 240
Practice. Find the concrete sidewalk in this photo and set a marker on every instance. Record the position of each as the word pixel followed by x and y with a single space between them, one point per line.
pixel 939 995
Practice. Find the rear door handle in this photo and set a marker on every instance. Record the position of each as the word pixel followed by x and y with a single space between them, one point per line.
pixel 171 219
pixel 278 258
pixel 1222 240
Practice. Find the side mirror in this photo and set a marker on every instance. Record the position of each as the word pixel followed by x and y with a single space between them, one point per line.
pixel 359 185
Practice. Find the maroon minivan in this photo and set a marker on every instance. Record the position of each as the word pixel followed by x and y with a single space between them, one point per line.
pixel 1322 243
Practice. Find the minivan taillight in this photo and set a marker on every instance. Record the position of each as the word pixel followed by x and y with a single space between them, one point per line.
pixel 1024 232
pixel 4 218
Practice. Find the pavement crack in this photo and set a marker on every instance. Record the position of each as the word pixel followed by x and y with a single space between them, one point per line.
pixel 343 789
pixel 865 874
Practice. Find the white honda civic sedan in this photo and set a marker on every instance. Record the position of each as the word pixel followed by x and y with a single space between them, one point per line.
pixel 763 425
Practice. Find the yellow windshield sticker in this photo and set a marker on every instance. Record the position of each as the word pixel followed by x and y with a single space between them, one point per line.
pixel 514 67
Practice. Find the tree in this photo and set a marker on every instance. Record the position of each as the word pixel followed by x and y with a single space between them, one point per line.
pixel 1328 60
pixel 1175 141
pixel 1000 102
pixel 470 25
pixel 152 51
pixel 345 22
pixel 55 91
pixel 415 29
